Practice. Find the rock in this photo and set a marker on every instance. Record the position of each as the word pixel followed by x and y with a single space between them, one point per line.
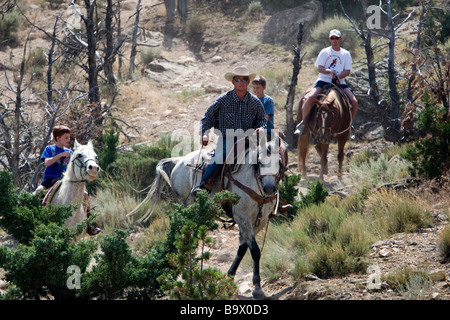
pixel 226 257
pixel 162 70
pixel 216 59
pixel 437 276
pixel 245 288
pixel 282 27
pixel 435 296
pixel 384 253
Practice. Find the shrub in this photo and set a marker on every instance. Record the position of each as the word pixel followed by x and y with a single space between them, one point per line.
pixel 188 230
pixel 430 156
pixel 195 28
pixel 288 193
pixel 40 268
pixel 444 243
pixel 320 33
pixel 9 25
pixel 137 167
pixel 149 55
pixel 21 213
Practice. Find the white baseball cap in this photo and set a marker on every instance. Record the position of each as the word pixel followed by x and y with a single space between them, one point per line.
pixel 335 32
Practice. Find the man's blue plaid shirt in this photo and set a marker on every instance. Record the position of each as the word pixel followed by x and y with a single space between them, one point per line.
pixel 228 112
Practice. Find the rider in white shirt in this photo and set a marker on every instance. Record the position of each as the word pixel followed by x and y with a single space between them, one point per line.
pixel 332 62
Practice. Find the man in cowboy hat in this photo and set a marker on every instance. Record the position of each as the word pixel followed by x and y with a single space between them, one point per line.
pixel 332 62
pixel 233 110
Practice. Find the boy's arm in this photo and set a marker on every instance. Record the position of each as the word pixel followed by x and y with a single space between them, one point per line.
pixel 51 161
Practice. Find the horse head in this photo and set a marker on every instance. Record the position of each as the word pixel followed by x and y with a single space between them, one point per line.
pixel 84 162
pixel 269 164
pixel 326 115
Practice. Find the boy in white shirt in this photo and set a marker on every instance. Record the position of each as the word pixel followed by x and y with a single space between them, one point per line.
pixel 332 62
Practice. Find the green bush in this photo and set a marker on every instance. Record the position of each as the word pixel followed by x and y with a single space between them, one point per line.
pixel 40 268
pixel 288 193
pixel 430 156
pixel 320 33
pixel 9 25
pixel 21 213
pixel 137 167
pixel 188 231
pixel 149 55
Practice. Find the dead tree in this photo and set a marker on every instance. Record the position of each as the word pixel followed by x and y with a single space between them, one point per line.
pixel 134 39
pixel 392 74
pixel 366 36
pixel 425 4
pixel 297 64
pixel 15 125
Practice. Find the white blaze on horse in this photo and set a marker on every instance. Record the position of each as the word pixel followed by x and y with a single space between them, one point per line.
pixel 332 118
pixel 82 167
pixel 254 180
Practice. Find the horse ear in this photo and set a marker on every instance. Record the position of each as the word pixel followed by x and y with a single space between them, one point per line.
pixel 89 144
pixel 76 145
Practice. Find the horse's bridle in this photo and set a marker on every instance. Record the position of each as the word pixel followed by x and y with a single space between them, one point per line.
pixel 78 163
pixel 260 198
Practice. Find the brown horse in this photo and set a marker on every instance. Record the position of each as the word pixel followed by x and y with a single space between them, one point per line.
pixel 331 118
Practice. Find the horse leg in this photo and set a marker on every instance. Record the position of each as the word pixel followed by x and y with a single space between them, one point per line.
pixel 341 145
pixel 302 151
pixel 240 254
pixel 258 293
pixel 322 150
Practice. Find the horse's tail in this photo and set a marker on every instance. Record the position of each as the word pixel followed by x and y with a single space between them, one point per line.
pixel 162 178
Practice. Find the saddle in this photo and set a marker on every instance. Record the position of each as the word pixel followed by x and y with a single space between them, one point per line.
pixel 50 193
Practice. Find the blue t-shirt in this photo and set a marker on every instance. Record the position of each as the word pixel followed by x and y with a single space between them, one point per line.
pixel 269 108
pixel 56 169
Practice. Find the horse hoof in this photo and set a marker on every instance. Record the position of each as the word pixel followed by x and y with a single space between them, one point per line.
pixel 258 294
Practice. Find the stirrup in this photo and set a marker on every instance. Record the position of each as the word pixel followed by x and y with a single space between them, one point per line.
pixel 300 128
pixel 199 188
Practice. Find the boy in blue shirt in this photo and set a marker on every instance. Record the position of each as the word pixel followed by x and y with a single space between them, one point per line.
pixel 259 85
pixel 56 157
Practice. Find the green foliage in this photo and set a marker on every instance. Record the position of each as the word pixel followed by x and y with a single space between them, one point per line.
pixel 137 167
pixel 40 268
pixel 444 242
pixel 195 28
pixel 189 228
pixel 430 156
pixel 108 153
pixel 320 33
pixel 37 61
pixel 288 192
pixel 9 26
pixel 21 214
pixel 149 55
pixel 316 194
pixel 118 273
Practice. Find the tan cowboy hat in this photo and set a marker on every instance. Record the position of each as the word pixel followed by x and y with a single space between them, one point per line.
pixel 240 71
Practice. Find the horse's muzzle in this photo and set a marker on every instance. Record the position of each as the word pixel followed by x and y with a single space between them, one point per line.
pixel 92 171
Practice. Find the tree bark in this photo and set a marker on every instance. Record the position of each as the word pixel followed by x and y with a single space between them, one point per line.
pixel 297 64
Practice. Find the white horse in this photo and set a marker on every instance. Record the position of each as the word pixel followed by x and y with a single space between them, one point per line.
pixel 82 167
pixel 254 180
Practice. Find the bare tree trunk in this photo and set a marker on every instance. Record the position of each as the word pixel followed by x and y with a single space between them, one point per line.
pixel 109 57
pixel 94 93
pixel 393 92
pixel 297 64
pixel 134 40
pixel 367 38
pixel 409 93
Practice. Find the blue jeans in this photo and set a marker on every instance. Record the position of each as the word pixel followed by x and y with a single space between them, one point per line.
pixel 217 161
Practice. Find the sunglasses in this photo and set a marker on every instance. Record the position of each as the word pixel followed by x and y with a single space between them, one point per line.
pixel 244 79
pixel 335 38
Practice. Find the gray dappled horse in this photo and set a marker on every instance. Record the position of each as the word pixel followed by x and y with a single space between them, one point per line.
pixel 254 180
